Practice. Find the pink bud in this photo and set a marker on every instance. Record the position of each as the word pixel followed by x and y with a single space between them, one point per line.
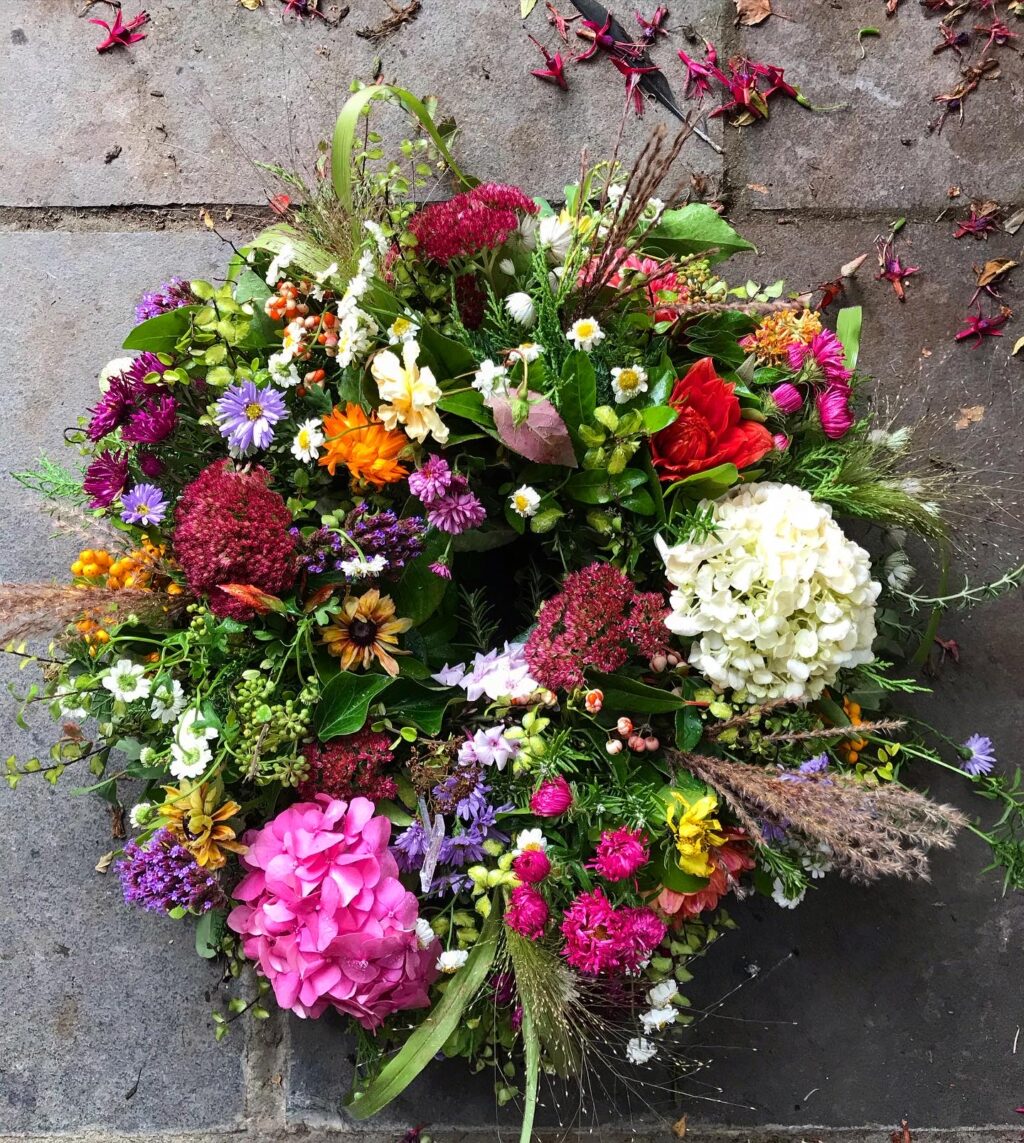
pixel 787 398
pixel 781 441
pixel 552 798
pixel 636 744
pixel 834 410
pixel 659 662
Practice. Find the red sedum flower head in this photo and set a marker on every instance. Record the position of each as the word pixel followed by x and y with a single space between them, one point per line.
pixel 709 430
pixel 347 767
pixel 232 529
pixel 476 220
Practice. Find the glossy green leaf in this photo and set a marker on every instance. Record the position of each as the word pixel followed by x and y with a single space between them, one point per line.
pixel 710 484
pixel 470 406
pixel 160 334
pixel 689 727
pixel 423 706
pixel 848 325
pixel 658 417
pixel 629 696
pixel 595 487
pixel 577 395
pixel 345 702
pixel 419 592
pixel 694 229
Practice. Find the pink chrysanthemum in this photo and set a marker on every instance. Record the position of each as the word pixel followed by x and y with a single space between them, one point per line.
pixel 232 529
pixel 620 853
pixel 532 866
pixel 834 410
pixel 326 918
pixel 827 357
pixel 594 621
pixel 527 912
pixel 602 939
pixel 479 219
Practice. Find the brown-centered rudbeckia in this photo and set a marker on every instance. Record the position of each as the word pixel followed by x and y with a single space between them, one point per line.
pixel 366 629
pixel 193 815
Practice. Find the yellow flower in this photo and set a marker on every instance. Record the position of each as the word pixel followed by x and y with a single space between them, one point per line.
pixel 770 342
pixel 411 394
pixel 366 629
pixel 193 815
pixel 696 832
pixel 363 445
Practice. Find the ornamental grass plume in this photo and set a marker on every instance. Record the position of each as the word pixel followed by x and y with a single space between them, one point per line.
pixel 596 620
pixel 233 529
pixel 872 831
pixel 326 918
pixel 30 610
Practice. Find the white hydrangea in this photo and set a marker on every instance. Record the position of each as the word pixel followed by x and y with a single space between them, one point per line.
pixel 778 599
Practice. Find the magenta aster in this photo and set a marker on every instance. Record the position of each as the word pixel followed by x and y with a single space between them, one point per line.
pixel 152 422
pixel 457 510
pixel 823 359
pixel 105 478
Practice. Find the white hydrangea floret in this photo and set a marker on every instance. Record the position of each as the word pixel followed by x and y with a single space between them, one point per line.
pixel 777 598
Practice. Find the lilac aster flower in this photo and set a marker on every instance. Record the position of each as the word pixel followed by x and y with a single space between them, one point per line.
pixel 457 510
pixel 105 478
pixel 160 875
pixel 979 755
pixel 145 504
pixel 170 296
pixel 431 480
pixel 153 422
pixel 247 415
pixel 817 765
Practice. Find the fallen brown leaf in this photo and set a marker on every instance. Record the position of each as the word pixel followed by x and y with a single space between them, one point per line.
pixel 679 1128
pixel 759 187
pixel 103 864
pixel 969 415
pixel 1017 347
pixel 750 12
pixel 994 269
pixel 206 217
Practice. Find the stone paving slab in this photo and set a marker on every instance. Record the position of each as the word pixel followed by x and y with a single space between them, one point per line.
pixel 96 997
pixel 877 154
pixel 214 89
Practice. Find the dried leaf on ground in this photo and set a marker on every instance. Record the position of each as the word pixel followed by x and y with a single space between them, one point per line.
pixel 1018 345
pixel 679 1128
pixel 104 862
pixel 750 12
pixel 1014 222
pixel 398 17
pixel 994 269
pixel 969 415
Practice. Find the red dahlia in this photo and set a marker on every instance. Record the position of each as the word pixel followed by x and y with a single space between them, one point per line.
pixel 232 529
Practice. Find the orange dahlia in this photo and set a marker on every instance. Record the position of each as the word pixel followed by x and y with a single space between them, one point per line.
pixel 363 445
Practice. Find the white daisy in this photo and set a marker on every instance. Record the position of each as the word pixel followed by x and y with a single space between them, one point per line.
pixel 662 994
pixel 168 701
pixel 127 681
pixel 658 1018
pixel 309 438
pixel 452 960
pixel 139 814
pixel 489 378
pixel 529 839
pixel 780 898
pixel 284 372
pixel 585 333
pixel 527 351
pixel 525 501
pixel 628 381
pixel 520 308
pixel 401 330
pixel 358 568
pixel 190 750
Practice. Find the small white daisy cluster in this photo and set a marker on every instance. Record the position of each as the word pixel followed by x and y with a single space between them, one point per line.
pixel 661 1015
pixel 778 599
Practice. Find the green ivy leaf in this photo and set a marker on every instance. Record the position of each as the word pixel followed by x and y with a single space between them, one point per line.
pixel 345 702
pixel 695 229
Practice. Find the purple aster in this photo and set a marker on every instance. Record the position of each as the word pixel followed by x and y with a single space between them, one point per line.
pixel 457 510
pixel 143 366
pixel 152 466
pixel 979 755
pixel 113 408
pixel 145 504
pixel 431 480
pixel 160 875
pixel 247 415
pixel 154 421
pixel 170 296
pixel 441 570
pixel 105 478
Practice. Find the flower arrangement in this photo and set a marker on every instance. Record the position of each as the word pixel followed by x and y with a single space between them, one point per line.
pixel 481 609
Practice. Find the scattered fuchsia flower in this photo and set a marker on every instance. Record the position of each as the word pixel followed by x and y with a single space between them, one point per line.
pixel 834 410
pixel 553 70
pixel 982 220
pixel 620 853
pixel 634 74
pixel 787 398
pixel 997 32
pixel 552 798
pixel 951 41
pixel 699 75
pixel 744 96
pixel 823 358
pixel 559 21
pixel 532 866
pixel 326 918
pixel 600 38
pixel 120 34
pixel 651 29
pixel 891 269
pixel 527 912
pixel 981 327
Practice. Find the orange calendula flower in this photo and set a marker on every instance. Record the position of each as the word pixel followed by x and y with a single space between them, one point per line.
pixel 366 629
pixel 771 340
pixel 363 445
pixel 193 815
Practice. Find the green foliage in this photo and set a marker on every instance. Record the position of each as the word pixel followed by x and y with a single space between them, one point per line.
pixel 52 481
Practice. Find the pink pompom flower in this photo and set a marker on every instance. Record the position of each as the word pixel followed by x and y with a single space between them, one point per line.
pixel 787 398
pixel 532 866
pixel 325 917
pixel 602 939
pixel 552 798
pixel 620 853
pixel 527 912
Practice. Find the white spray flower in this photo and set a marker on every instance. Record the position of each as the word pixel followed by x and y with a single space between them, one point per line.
pixel 585 333
pixel 127 681
pixel 525 501
pixel 640 1050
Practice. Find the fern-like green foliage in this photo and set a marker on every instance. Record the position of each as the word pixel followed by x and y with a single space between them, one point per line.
pixel 52 481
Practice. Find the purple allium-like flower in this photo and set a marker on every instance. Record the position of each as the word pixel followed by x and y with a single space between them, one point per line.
pixel 153 422
pixel 978 754
pixel 817 765
pixel 145 504
pixel 431 480
pixel 170 296
pixel 247 415
pixel 160 875
pixel 105 478
pixel 457 510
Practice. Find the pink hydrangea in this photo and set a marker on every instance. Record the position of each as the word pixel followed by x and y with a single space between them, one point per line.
pixel 620 853
pixel 527 912
pixel 602 939
pixel 325 917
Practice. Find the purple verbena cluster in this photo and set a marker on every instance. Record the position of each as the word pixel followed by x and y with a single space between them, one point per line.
pixel 160 875
pixel 171 295
pixel 397 540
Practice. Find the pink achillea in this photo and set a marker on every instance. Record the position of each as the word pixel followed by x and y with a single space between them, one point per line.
pixel 595 621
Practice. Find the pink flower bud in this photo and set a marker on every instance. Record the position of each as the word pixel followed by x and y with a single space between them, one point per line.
pixel 787 398
pixel 834 410
pixel 531 866
pixel 659 662
pixel 552 798
pixel 781 441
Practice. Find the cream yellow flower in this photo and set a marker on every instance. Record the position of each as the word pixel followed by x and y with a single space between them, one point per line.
pixel 696 832
pixel 410 394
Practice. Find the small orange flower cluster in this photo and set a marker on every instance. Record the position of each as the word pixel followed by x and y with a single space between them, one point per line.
pixel 771 340
pixel 850 748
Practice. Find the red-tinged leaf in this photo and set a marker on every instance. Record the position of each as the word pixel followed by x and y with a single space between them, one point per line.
pixel 319 597
pixel 279 203
pixel 542 437
pixel 260 601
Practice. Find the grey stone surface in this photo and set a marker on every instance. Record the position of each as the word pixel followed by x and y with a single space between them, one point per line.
pixel 96 997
